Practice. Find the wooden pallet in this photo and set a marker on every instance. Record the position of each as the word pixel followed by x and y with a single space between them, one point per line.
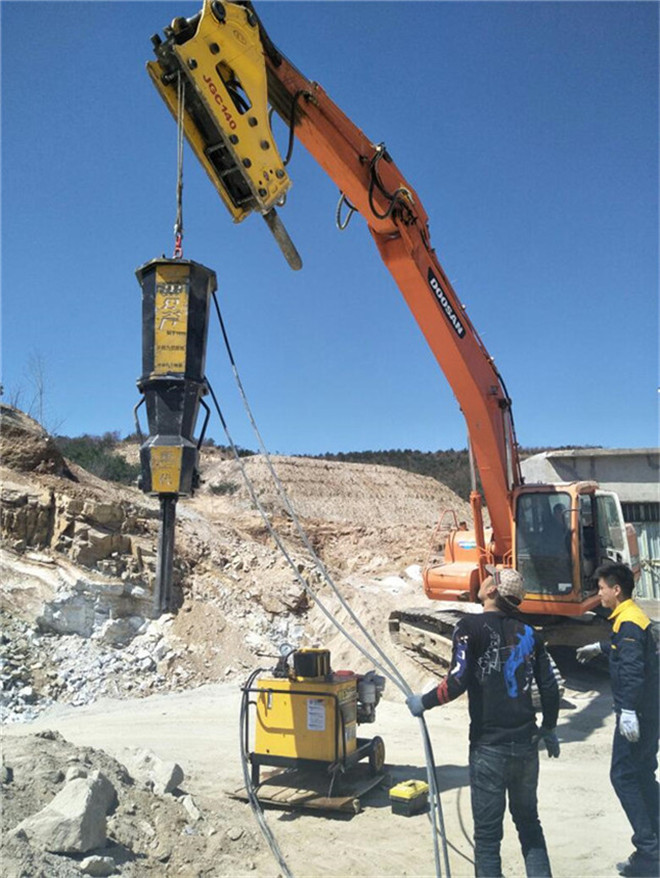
pixel 294 788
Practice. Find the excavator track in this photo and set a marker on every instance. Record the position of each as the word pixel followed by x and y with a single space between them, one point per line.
pixel 425 635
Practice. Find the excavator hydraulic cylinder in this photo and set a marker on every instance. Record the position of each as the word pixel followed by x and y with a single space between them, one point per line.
pixel 175 306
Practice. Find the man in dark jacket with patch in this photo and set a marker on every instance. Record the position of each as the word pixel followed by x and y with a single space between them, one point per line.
pixel 633 658
pixel 495 658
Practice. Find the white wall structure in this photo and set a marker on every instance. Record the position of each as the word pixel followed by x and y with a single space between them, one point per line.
pixel 633 473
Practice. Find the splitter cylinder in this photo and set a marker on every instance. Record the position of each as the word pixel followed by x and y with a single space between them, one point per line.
pixel 175 307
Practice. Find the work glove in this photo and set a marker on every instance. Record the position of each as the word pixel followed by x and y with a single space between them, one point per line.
pixel 629 725
pixel 585 653
pixel 551 741
pixel 415 705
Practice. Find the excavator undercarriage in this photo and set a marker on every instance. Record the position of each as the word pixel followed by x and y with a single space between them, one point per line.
pixel 425 634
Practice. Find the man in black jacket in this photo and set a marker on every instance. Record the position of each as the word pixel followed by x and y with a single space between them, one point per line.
pixel 633 658
pixel 495 658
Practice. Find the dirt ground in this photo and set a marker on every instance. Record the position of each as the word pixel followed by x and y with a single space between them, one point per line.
pixel 585 830
pixel 77 570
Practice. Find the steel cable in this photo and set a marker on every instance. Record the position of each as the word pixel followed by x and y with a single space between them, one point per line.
pixel 436 817
pixel 276 538
pixel 178 222
pixel 395 676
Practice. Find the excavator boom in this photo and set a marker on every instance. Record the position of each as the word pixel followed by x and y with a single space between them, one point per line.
pixel 230 70
pixel 371 183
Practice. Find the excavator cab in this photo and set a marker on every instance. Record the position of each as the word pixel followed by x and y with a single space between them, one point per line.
pixel 562 534
pixel 544 545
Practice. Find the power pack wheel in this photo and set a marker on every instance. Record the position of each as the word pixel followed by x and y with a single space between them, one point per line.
pixel 376 755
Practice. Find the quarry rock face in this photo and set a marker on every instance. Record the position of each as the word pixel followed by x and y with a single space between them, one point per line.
pixel 26 446
pixel 76 625
pixel 78 564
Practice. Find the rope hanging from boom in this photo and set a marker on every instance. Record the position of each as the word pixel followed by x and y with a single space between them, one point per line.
pixel 178 222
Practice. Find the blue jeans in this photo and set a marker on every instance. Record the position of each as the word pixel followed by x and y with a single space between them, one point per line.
pixel 495 772
pixel 633 778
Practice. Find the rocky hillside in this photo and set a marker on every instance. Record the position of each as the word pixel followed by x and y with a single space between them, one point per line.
pixel 78 554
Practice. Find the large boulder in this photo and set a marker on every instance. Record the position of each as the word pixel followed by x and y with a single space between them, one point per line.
pixel 75 820
pixel 157 774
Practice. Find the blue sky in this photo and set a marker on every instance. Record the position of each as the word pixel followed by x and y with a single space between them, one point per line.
pixel 529 130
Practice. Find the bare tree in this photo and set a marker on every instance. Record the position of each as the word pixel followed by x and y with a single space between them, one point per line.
pixel 15 396
pixel 36 371
pixel 34 388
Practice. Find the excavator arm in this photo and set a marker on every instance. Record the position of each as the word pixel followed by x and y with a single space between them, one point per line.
pixel 205 51
pixel 373 184
pixel 219 72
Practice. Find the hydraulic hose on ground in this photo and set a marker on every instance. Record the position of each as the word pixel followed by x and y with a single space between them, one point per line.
pixel 249 786
pixel 392 673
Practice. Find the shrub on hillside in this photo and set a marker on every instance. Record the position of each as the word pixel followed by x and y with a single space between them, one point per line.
pixel 98 456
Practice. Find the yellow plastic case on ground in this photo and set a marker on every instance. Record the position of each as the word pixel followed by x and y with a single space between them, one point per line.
pixel 409 797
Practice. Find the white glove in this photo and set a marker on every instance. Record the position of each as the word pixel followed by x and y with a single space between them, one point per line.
pixel 629 725
pixel 586 653
pixel 415 704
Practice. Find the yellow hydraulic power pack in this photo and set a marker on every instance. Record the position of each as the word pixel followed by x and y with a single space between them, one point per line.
pixel 307 715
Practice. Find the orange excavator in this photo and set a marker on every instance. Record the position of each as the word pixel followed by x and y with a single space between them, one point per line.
pixel 221 76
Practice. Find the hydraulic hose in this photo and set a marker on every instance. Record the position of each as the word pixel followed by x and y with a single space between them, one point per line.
pixel 391 672
pixel 249 786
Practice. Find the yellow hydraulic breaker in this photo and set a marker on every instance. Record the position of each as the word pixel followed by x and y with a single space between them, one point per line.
pixel 213 65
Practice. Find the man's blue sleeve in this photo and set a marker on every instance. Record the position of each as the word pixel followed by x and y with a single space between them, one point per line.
pixel 630 665
pixel 456 681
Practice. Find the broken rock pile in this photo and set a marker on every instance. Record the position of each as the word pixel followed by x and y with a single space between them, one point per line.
pixel 72 810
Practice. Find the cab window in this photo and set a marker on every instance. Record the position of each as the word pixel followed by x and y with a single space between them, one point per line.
pixel 610 531
pixel 543 542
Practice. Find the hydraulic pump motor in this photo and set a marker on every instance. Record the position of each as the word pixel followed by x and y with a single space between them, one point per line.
pixel 370 688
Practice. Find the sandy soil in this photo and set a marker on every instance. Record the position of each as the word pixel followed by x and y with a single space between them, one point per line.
pixel 585 829
pixel 371 526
